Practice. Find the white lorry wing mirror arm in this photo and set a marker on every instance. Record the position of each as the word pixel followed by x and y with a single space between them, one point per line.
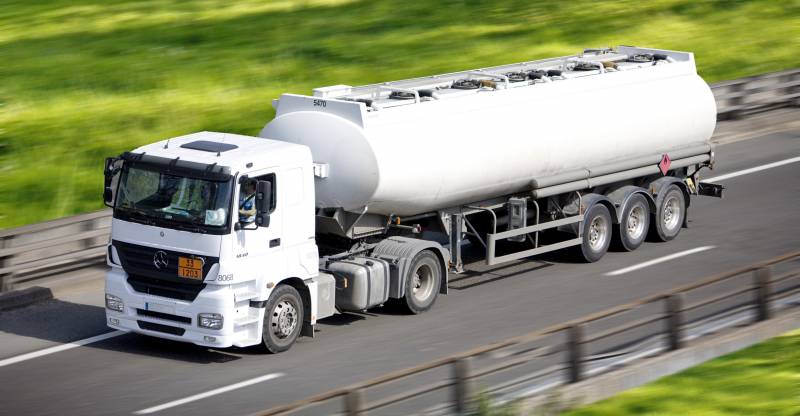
pixel 263 202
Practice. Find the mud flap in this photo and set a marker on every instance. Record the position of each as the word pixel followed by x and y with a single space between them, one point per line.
pixel 307 330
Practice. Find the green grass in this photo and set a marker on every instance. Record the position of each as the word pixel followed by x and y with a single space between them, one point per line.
pixel 760 380
pixel 84 79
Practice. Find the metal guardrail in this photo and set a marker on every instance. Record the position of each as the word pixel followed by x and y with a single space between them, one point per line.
pixel 576 341
pixel 48 248
pixel 740 97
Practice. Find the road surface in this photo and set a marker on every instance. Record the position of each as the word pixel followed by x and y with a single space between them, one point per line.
pixel 132 374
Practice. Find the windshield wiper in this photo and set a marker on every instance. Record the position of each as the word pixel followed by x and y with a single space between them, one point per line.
pixel 186 226
pixel 155 218
pixel 190 227
pixel 140 215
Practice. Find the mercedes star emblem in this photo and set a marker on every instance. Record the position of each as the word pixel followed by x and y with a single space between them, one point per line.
pixel 160 259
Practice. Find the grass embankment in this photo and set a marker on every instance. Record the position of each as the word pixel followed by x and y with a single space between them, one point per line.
pixel 83 79
pixel 760 380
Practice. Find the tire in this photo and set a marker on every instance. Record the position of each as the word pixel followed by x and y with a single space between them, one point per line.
pixel 283 319
pixel 422 282
pixel 634 223
pixel 669 215
pixel 597 233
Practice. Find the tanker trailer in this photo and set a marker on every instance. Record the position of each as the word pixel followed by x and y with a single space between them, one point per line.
pixel 601 141
pixel 357 195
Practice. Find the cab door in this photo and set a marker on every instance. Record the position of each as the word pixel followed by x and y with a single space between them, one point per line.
pixel 260 247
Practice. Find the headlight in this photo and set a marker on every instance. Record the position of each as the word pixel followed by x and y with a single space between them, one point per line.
pixel 210 320
pixel 114 303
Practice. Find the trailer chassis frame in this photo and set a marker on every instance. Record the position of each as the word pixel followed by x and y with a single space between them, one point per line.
pixel 460 218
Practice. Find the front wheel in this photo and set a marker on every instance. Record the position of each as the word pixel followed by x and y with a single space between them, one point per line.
pixel 422 282
pixel 282 320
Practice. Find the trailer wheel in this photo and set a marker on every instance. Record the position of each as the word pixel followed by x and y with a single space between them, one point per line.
pixel 283 319
pixel 669 214
pixel 634 223
pixel 422 282
pixel 596 233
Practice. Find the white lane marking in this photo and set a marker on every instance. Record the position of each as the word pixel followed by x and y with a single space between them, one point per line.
pixel 658 260
pixel 208 394
pixel 751 170
pixel 59 348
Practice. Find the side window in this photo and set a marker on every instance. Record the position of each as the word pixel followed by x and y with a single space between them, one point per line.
pixel 247 197
pixel 247 201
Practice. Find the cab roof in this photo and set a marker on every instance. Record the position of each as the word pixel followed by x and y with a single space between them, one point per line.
pixel 240 153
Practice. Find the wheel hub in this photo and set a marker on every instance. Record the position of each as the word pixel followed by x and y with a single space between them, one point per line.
pixel 597 233
pixel 284 319
pixel 635 223
pixel 672 213
pixel 422 282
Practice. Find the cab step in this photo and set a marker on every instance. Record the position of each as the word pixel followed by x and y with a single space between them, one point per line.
pixel 246 320
pixel 244 295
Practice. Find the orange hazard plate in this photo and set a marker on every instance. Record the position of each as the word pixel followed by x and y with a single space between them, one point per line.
pixel 190 268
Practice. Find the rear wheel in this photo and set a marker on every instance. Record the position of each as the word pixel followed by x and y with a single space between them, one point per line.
pixel 283 319
pixel 670 212
pixel 634 223
pixel 596 233
pixel 422 282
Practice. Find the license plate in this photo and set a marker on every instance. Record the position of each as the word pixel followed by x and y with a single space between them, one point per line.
pixel 155 307
pixel 190 268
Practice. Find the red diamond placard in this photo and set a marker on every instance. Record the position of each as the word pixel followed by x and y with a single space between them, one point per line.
pixel 663 165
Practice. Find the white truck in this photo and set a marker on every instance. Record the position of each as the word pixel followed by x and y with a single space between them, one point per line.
pixel 358 195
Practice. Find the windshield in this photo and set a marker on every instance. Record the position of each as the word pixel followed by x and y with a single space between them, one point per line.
pixel 157 198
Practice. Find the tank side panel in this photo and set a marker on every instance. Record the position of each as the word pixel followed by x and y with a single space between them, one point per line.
pixel 443 153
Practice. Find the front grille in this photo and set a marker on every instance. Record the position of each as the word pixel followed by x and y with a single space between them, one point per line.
pixel 165 288
pixel 150 326
pixel 145 277
pixel 139 260
pixel 165 316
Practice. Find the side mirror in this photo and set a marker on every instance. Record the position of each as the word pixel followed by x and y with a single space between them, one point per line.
pixel 109 172
pixel 263 202
pixel 109 166
pixel 108 196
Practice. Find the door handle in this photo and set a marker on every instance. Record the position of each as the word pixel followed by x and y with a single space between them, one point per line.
pixel 274 243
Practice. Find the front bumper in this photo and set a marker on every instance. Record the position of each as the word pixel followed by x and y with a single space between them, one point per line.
pixel 177 319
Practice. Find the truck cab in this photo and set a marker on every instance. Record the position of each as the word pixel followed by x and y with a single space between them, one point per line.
pixel 186 265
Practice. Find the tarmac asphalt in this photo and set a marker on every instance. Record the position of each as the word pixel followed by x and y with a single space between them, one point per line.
pixel 121 375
